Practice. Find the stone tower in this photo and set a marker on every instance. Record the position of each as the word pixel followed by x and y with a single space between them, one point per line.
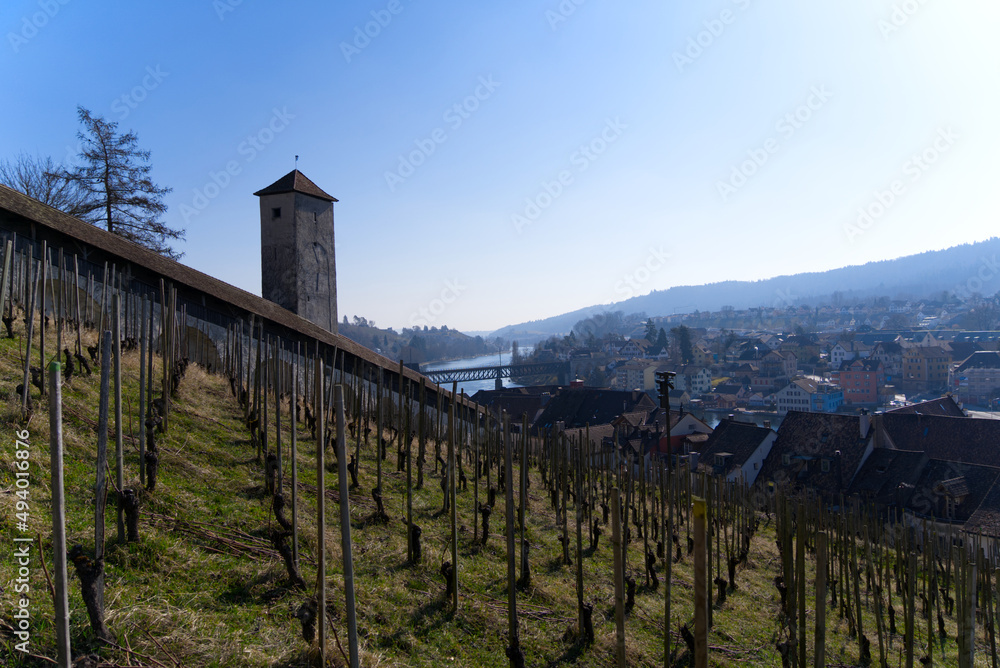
pixel 298 267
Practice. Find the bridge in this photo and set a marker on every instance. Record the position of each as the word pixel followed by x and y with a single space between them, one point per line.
pixel 500 372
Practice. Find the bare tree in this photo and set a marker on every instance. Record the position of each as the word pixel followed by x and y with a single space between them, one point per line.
pixel 39 178
pixel 120 196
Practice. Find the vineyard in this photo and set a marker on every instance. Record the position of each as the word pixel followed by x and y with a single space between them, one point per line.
pixel 187 527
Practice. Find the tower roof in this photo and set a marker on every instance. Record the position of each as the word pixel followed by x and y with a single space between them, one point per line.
pixel 295 181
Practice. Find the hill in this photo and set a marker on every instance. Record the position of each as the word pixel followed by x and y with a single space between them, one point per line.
pixel 206 584
pixel 417 345
pixel 960 270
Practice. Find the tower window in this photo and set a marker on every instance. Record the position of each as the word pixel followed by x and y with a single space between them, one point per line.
pixel 276 212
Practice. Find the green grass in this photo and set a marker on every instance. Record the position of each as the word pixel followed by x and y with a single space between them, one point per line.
pixel 179 596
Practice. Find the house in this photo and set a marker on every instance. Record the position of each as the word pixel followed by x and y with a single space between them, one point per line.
pixel 683 426
pixel 943 406
pixel 691 378
pixel 736 450
pixel 818 451
pixel 977 379
pixel 863 381
pixel 956 439
pixel 634 348
pixel 845 351
pixel 805 394
pixel 923 488
pixel 578 407
pixel 701 355
pixel 925 368
pixel 636 374
pixel 776 364
pixel 890 354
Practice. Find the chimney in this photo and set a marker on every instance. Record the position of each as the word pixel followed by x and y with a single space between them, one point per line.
pixel 865 421
pixel 767 424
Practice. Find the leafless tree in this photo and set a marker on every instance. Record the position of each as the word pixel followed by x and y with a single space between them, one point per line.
pixel 114 175
pixel 39 178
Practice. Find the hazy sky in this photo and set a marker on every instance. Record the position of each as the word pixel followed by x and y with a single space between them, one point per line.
pixel 501 162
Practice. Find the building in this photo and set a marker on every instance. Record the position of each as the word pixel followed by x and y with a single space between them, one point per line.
pixel 736 450
pixel 925 369
pixel 890 354
pixel 845 351
pixel 977 379
pixel 862 381
pixel 297 259
pixel 805 394
pixel 819 451
pixel 636 374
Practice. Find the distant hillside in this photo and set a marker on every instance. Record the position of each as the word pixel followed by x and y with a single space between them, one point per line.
pixel 960 270
pixel 414 345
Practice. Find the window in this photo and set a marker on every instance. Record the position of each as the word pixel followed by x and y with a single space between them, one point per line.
pixel 276 212
pixel 786 460
pixel 825 466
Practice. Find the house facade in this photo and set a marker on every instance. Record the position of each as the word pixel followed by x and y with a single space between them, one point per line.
pixel 925 368
pixel 805 394
pixel 977 379
pixel 863 381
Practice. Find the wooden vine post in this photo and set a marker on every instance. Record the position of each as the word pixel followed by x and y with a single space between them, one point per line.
pixel 345 527
pixel 514 647
pixel 116 307
pixel 700 586
pixel 452 484
pixel 320 515
pixel 616 546
pixel 61 602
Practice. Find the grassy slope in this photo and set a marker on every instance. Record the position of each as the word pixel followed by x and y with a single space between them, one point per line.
pixel 209 608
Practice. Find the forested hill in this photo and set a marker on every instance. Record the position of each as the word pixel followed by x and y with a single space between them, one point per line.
pixel 960 270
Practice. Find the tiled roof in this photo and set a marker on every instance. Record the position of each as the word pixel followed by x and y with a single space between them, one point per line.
pixel 940 479
pixel 945 406
pixel 579 407
pixel 955 439
pixel 810 438
pixel 295 181
pixel 986 359
pixel 888 473
pixel 739 439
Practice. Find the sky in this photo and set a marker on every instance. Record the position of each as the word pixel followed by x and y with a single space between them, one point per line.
pixel 503 162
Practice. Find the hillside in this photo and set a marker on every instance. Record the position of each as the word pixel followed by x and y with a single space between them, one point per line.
pixel 959 270
pixel 204 586
pixel 415 345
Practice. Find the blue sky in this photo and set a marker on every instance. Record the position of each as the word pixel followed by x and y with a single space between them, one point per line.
pixel 502 162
